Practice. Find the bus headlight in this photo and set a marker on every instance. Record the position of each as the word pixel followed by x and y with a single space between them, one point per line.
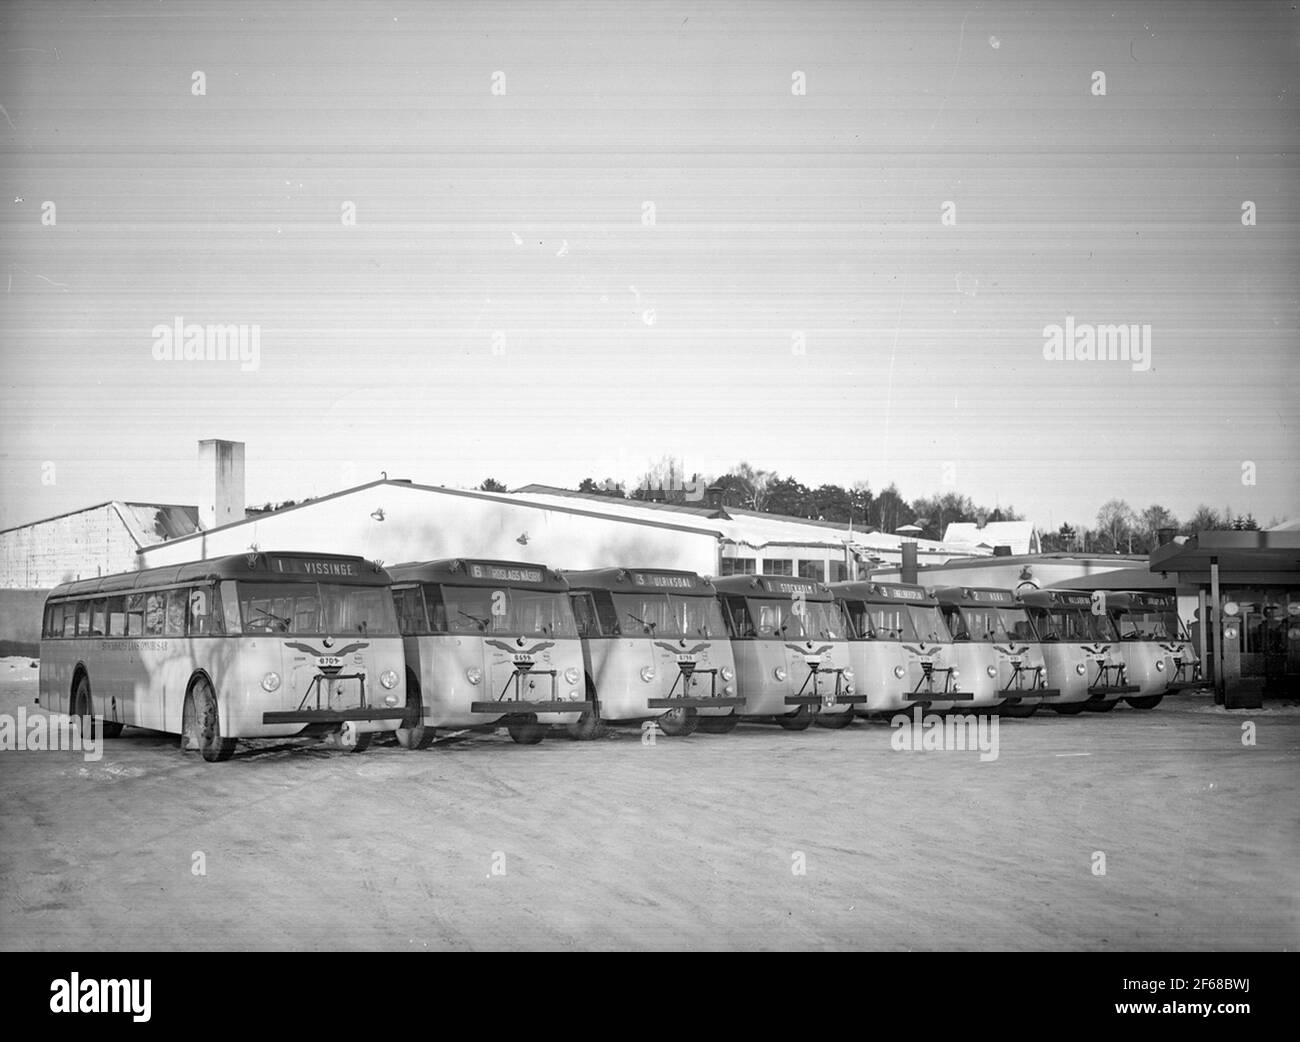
pixel 1080 668
pixel 730 689
pixel 848 688
pixel 848 674
pixel 571 674
pixel 991 670
pixel 779 672
pixel 575 696
pixel 728 673
pixel 1160 664
pixel 388 678
pixel 390 700
pixel 647 673
pixel 955 673
pixel 474 675
pixel 900 672
pixel 271 682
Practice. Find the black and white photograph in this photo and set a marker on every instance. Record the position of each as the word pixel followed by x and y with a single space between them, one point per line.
pixel 651 476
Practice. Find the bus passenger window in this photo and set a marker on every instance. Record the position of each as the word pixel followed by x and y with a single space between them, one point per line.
pixel 98 625
pixel 155 609
pixel 83 618
pixel 53 625
pixel 205 611
pixel 70 619
pixel 117 616
pixel 410 610
pixel 176 608
pixel 584 613
pixel 135 614
pixel 606 615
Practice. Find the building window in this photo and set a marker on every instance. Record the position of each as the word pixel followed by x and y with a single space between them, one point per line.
pixel 813 570
pixel 839 571
pixel 778 567
pixel 737 566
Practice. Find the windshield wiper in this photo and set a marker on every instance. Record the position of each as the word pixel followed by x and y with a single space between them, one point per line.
pixel 278 618
pixel 649 626
pixel 482 623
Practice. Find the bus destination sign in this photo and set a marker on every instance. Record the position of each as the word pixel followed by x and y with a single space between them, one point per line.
pixel 320 568
pixel 496 573
pixel 674 582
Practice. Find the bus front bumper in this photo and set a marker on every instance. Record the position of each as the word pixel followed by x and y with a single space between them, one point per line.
pixel 332 716
pixel 1108 690
pixel 939 696
pixel 817 700
pixel 1015 696
pixel 721 702
pixel 511 707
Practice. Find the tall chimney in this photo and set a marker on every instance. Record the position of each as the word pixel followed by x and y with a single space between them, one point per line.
pixel 221 482
pixel 907 572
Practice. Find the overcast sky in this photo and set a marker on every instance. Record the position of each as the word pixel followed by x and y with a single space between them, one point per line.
pixel 504 305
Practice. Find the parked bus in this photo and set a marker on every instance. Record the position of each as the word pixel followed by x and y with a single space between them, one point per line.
pixel 1081 651
pixel 487 643
pixel 899 647
pixel 1157 648
pixel 654 646
pixel 997 649
pixel 790 641
pixel 258 645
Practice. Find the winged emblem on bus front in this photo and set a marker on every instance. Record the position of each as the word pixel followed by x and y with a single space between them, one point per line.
pixel 347 649
pixel 682 651
pixel 804 651
pixel 535 650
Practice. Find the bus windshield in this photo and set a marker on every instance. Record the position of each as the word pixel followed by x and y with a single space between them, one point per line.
pixel 507 610
pixel 928 624
pixel 1148 625
pixel 989 625
pixel 316 608
pixel 668 615
pixel 776 619
pixel 1073 625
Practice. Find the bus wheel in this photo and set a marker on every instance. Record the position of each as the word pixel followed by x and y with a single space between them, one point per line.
pixel 413 734
pixel 525 729
pixel 83 708
pixel 1145 701
pixel 588 726
pixel 1101 707
pixel 1019 712
pixel 835 721
pixel 354 741
pixel 679 723
pixel 201 726
pixel 719 724
pixel 798 720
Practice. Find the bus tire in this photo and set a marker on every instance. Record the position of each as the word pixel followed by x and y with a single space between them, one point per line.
pixel 1145 701
pixel 799 720
pixel 679 723
pixel 719 724
pixel 83 707
pixel 362 743
pixel 525 730
pixel 1069 708
pixel 413 734
pixel 201 724
pixel 1101 707
pixel 835 721
pixel 1019 712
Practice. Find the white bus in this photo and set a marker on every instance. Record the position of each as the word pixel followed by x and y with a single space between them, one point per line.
pixel 487 643
pixel 790 641
pixel 1081 651
pixel 258 645
pixel 1157 648
pixel 654 646
pixel 997 649
pixel 899 647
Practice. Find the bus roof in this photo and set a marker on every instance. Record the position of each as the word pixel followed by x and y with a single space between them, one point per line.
pixel 974 596
pixel 623 580
pixel 773 586
pixel 1056 598
pixel 881 593
pixel 1139 600
pixel 467 571
pixel 286 566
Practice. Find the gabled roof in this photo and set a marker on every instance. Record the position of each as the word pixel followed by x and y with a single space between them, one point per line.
pixel 147 523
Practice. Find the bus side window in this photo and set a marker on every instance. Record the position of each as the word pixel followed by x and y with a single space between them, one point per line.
pixel 584 614
pixel 205 611
pixel 83 618
pixel 98 624
pixel 70 618
pixel 409 602
pixel 155 609
pixel 117 616
pixel 738 620
pixel 606 616
pixel 176 609
pixel 53 626
pixel 135 614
